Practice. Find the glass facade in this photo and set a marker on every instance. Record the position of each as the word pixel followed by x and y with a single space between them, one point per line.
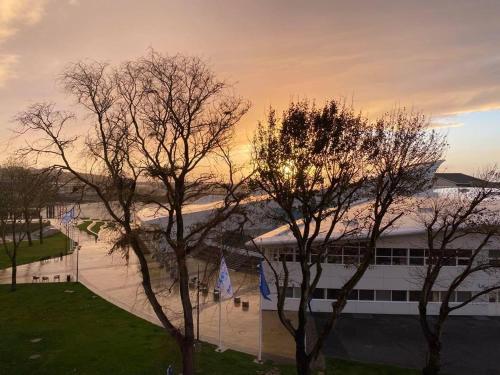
pixel 352 255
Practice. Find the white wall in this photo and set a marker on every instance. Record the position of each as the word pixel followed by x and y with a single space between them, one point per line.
pixel 390 277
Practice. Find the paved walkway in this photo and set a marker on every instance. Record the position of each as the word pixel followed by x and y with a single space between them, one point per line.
pixel 119 282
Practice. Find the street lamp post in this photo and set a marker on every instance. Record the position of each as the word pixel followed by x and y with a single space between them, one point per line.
pixel 198 305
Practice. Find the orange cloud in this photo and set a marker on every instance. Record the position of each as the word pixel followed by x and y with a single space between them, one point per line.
pixel 6 67
pixel 17 13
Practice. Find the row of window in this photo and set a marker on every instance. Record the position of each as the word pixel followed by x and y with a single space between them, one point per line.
pixel 389 295
pixel 352 255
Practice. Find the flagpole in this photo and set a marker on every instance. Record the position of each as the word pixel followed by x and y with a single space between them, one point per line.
pixel 219 349
pixel 77 260
pixel 220 287
pixel 220 325
pixel 259 357
pixel 263 292
pixel 261 281
pixel 224 289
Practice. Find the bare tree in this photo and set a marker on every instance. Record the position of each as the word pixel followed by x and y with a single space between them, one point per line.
pixel 45 194
pixel 163 118
pixel 459 227
pixel 12 203
pixel 31 189
pixel 316 164
pixel 183 120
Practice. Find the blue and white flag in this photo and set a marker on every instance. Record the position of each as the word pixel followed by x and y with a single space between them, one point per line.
pixel 224 282
pixel 68 216
pixel 264 288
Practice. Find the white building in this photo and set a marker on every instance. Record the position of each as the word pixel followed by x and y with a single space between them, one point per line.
pixel 391 284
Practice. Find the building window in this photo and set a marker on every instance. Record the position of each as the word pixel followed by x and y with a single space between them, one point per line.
pixel 399 295
pixel 417 257
pixel 463 296
pixel 318 293
pixel 296 292
pixel 435 296
pixel 287 254
pixel 351 255
pixel 353 296
pixel 393 295
pixel 335 255
pixel 292 292
pixel 400 257
pixel 415 295
pixel 450 258
pixel 493 297
pixel 274 254
pixel 463 257
pixel 318 254
pixel 332 293
pixel 494 256
pixel 383 256
pixel 382 295
pixel 366 295
pixel 453 296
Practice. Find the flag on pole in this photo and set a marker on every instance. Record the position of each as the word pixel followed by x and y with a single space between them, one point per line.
pixel 224 282
pixel 264 288
pixel 68 216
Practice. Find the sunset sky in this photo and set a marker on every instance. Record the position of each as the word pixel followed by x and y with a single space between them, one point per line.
pixel 442 57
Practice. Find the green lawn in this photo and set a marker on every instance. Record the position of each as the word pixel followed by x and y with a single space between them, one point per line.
pixel 97 226
pixel 84 227
pixel 52 246
pixel 83 334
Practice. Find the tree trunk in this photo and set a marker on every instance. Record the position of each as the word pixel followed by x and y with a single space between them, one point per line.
pixel 433 365
pixel 303 362
pixel 13 283
pixel 187 349
pixel 27 224
pixel 185 343
pixel 28 232
pixel 188 341
pixel 13 258
pixel 41 228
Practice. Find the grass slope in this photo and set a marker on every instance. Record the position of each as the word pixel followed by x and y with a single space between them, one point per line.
pixel 97 226
pixel 83 334
pixel 84 227
pixel 52 246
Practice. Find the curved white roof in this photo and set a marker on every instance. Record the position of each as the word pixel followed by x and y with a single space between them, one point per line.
pixel 194 212
pixel 410 223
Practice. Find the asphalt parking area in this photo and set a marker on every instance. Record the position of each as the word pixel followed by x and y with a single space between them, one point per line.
pixel 471 345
